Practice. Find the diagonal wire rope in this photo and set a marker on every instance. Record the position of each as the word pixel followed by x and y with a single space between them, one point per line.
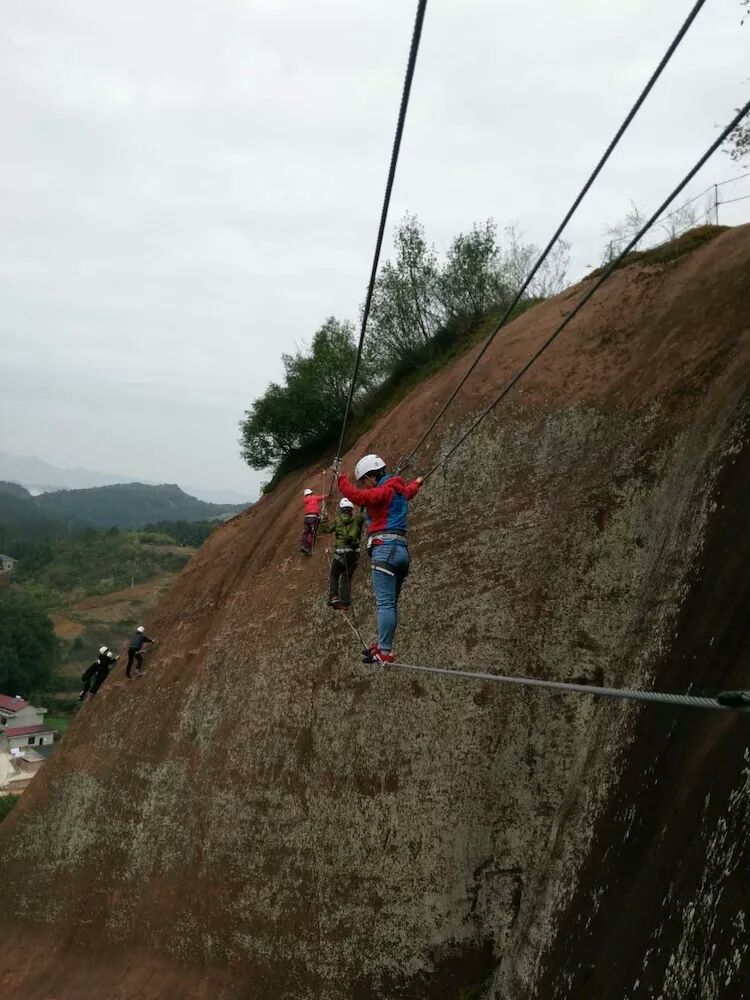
pixel 561 228
pixel 697 197
pixel 733 180
pixel 596 286
pixel 628 694
pixel 416 36
pixel 731 201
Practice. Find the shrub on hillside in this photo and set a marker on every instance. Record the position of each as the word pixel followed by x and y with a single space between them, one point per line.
pixel 27 643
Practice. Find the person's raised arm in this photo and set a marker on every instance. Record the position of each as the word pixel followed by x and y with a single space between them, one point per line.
pixel 411 489
pixel 362 498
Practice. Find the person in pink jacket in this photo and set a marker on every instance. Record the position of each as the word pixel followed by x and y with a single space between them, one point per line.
pixel 313 504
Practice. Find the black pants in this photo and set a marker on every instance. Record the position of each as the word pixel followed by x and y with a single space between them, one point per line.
pixel 342 571
pixel 99 678
pixel 309 533
pixel 134 654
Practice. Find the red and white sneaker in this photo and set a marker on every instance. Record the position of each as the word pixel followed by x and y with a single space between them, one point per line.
pixel 383 656
pixel 368 655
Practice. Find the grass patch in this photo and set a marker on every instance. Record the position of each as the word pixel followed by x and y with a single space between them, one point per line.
pixel 59 722
pixel 6 804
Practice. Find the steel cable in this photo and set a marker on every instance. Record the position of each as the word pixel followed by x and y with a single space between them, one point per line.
pixel 608 272
pixel 561 228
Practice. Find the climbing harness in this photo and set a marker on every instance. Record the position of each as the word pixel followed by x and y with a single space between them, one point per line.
pixel 386 536
pixel 561 228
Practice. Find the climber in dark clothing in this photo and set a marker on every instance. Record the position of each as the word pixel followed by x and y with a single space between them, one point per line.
pixel 94 676
pixel 347 528
pixel 103 666
pixel 137 643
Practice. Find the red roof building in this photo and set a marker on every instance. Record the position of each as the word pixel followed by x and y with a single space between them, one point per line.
pixel 22 724
pixel 12 732
pixel 8 704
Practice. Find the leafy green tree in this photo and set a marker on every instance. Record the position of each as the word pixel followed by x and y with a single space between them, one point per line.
pixel 406 307
pixel 421 308
pixel 306 410
pixel 417 298
pixel 27 643
pixel 739 141
pixel 473 281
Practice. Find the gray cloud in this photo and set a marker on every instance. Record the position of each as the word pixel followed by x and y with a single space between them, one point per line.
pixel 187 189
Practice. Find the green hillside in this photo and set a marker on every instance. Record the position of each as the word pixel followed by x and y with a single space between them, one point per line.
pixel 131 505
pixel 20 517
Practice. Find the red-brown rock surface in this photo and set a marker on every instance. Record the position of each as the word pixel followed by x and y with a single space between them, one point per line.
pixel 263 817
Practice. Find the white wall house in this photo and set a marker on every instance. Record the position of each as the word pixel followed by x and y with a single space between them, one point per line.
pixel 25 741
pixel 23 724
pixel 6 563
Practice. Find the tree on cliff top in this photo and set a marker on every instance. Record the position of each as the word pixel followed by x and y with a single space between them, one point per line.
pixel 301 413
pixel 417 297
pixel 421 308
pixel 739 141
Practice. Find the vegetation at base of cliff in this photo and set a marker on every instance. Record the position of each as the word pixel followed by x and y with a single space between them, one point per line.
pixel 59 722
pixel 27 642
pixel 6 804
pixel 424 312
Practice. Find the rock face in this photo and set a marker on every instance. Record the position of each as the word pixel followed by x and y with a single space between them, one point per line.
pixel 263 817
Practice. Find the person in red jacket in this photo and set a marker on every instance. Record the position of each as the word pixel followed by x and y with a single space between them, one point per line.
pixel 313 503
pixel 385 498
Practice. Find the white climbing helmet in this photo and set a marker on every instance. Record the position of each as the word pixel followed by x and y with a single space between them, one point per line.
pixel 308 493
pixel 345 504
pixel 140 629
pixel 103 650
pixel 370 463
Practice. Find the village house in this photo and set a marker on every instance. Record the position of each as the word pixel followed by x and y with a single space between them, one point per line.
pixel 6 563
pixel 23 724
pixel 25 742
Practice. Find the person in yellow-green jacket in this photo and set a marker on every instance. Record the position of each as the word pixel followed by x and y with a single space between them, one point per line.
pixel 347 529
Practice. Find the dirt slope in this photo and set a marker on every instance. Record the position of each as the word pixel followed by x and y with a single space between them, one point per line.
pixel 262 817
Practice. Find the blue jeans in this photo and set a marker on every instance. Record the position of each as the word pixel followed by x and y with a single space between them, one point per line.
pixel 390 564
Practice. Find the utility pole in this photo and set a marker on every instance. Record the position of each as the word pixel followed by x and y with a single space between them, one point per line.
pixel 716 202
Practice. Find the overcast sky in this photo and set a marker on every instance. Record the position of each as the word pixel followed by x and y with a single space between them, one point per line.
pixel 189 187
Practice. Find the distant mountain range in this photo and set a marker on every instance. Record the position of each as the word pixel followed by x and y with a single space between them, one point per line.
pixel 39 476
pixel 126 505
